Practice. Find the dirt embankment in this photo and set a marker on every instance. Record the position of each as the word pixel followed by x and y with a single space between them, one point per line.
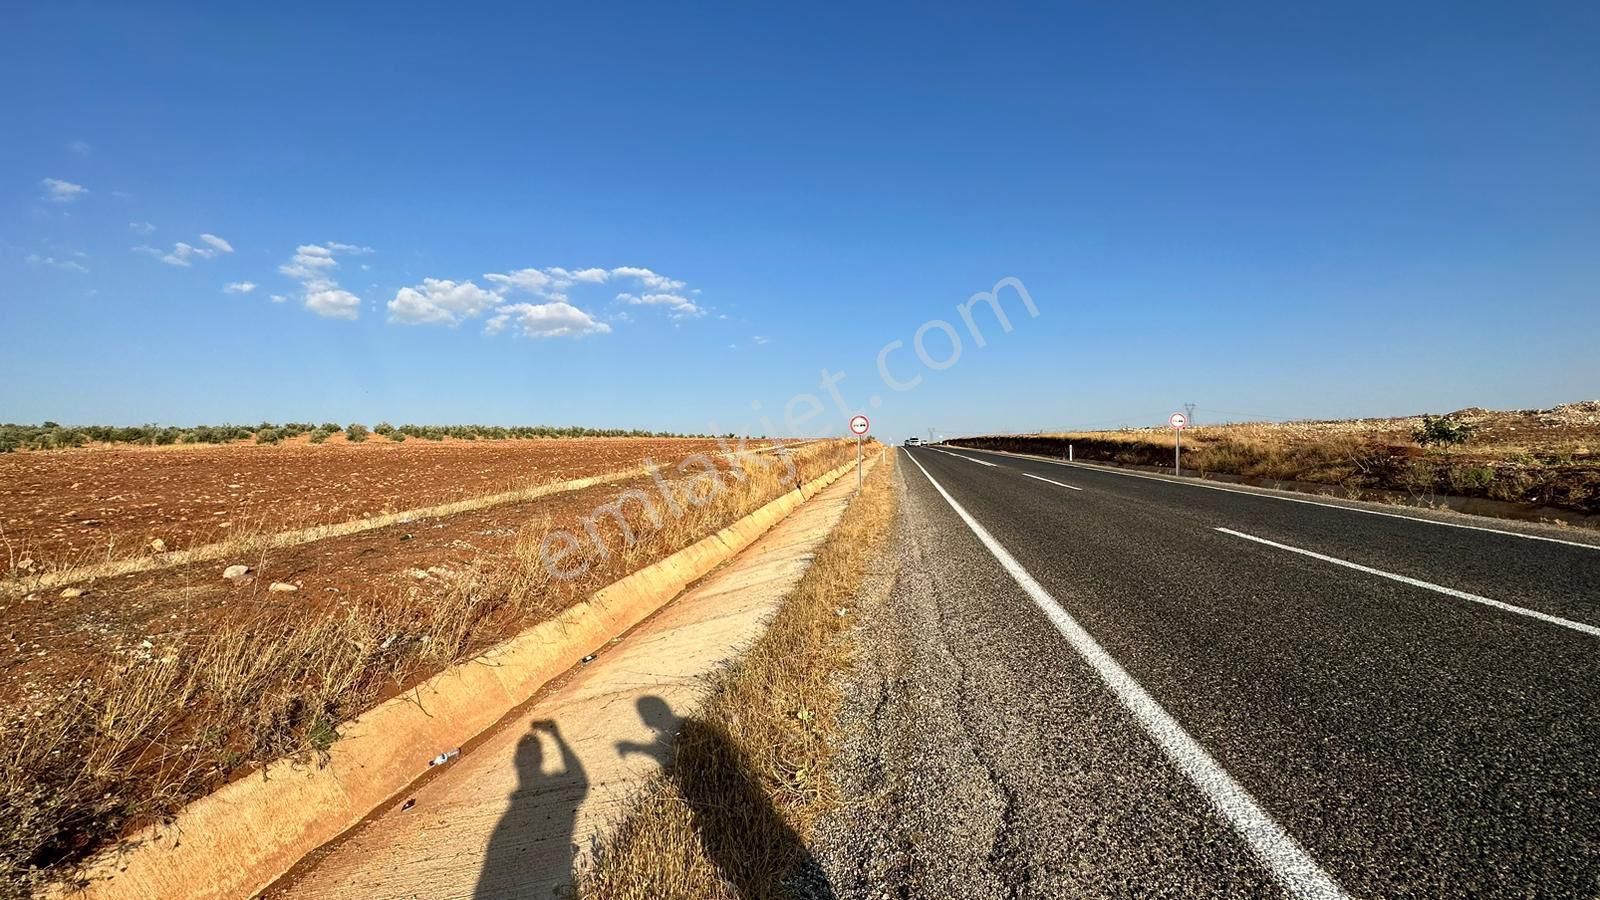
pixel 1546 459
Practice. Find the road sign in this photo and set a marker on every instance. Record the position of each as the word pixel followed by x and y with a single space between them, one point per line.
pixel 1179 422
pixel 858 425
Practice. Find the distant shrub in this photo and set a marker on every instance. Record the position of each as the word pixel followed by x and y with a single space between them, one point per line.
pixel 1442 431
pixel 331 427
pixel 355 433
pixel 319 435
pixel 397 436
pixel 383 428
pixel 268 436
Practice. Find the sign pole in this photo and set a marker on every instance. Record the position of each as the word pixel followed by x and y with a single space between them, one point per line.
pixel 1179 422
pixel 858 427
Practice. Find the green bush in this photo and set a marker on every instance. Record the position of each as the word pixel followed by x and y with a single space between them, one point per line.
pixel 319 435
pixel 331 427
pixel 268 436
pixel 1442 431
pixel 355 433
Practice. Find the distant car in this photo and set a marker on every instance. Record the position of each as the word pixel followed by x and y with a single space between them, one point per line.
pixel 912 442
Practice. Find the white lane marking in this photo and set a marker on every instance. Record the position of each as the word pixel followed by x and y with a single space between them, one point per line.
pixel 1417 582
pixel 1056 483
pixel 1296 871
pixel 981 462
pixel 1267 496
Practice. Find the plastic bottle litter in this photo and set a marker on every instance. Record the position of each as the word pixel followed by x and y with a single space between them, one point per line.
pixel 444 757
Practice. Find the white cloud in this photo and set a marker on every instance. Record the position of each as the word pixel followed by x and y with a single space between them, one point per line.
pixel 239 287
pixel 217 243
pixel 329 300
pixel 184 254
pixel 141 227
pixel 310 262
pixel 35 259
pixel 440 301
pixel 58 191
pixel 761 340
pixel 678 306
pixel 545 320
pixel 648 279
pixel 543 282
pixel 278 298
pixel 78 148
pixel 312 265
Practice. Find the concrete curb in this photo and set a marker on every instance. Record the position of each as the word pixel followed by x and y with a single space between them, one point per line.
pixel 240 839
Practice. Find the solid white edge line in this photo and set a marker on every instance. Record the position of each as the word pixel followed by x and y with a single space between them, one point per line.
pixel 981 462
pixel 1417 582
pixel 1048 481
pixel 1296 871
pixel 1271 496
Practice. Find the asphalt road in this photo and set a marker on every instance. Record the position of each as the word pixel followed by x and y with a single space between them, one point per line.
pixel 1090 682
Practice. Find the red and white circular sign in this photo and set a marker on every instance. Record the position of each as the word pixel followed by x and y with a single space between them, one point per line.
pixel 1178 420
pixel 858 425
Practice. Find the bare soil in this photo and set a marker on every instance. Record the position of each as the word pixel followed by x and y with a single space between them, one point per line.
pixel 72 507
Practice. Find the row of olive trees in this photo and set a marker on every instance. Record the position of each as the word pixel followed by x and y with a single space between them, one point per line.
pixel 54 436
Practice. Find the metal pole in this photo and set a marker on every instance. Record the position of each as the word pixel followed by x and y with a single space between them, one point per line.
pixel 858 463
pixel 1069 453
pixel 1177 451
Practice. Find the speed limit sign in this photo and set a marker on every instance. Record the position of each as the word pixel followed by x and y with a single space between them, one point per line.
pixel 1178 421
pixel 859 425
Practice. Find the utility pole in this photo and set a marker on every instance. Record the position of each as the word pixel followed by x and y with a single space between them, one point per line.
pixel 1189 408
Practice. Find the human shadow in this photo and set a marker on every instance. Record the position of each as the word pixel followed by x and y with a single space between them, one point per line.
pixel 745 836
pixel 532 845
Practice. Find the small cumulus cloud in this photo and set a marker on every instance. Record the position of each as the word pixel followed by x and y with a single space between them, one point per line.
pixel 332 302
pixel 216 243
pixel 544 320
pixel 678 306
pixel 761 340
pixel 141 227
pixel 649 280
pixel 34 259
pixel 312 265
pixel 184 253
pixel 58 191
pixel 78 148
pixel 441 301
pixel 239 287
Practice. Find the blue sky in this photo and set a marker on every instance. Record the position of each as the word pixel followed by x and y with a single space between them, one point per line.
pixel 662 215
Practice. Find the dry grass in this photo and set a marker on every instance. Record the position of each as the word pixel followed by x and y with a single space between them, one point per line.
pixel 133 743
pixel 1542 458
pixel 749 776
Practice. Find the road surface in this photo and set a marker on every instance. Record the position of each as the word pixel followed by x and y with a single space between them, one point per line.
pixel 1093 682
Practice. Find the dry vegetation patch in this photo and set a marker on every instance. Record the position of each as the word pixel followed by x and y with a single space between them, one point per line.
pixel 1546 458
pixel 749 777
pixel 130 739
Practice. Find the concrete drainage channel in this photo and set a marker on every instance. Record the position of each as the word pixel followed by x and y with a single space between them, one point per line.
pixel 238 840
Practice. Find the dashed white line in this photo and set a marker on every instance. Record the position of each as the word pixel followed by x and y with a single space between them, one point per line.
pixel 1271 496
pixel 1295 870
pixel 1069 487
pixel 1417 582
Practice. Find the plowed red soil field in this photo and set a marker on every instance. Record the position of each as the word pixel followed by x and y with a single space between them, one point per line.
pixel 71 507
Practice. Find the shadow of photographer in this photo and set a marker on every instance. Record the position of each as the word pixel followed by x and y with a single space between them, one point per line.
pixel 757 853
